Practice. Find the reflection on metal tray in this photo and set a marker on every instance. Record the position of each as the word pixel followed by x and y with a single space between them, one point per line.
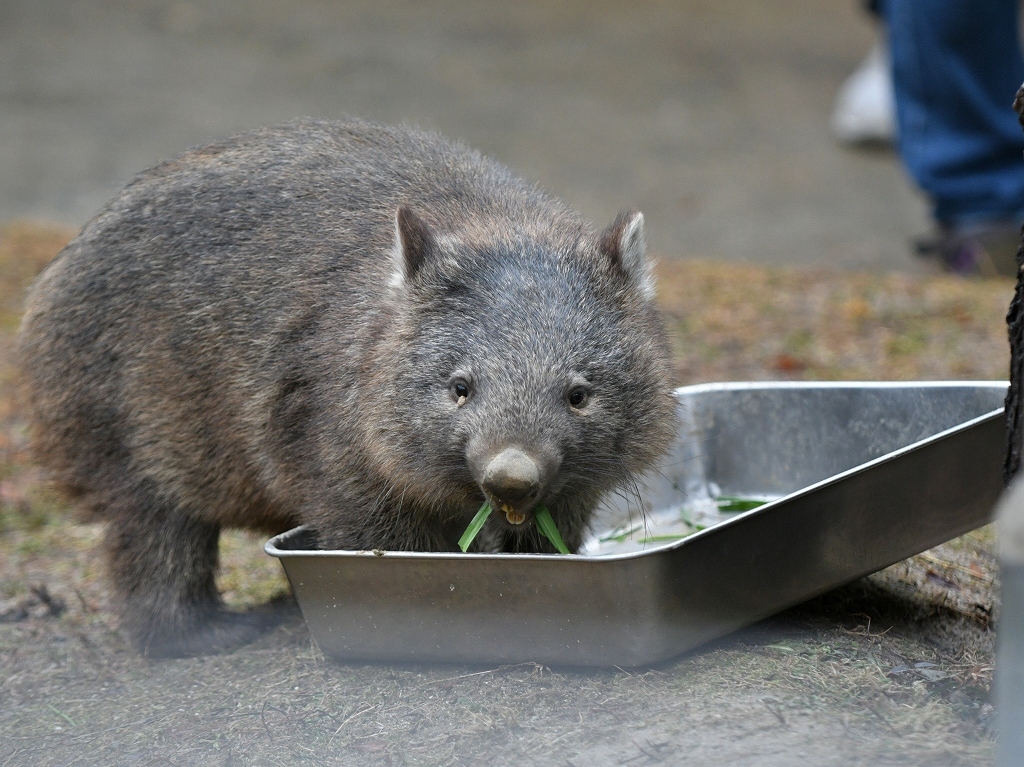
pixel 863 475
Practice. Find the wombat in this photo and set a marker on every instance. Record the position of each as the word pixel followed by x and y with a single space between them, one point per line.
pixel 364 329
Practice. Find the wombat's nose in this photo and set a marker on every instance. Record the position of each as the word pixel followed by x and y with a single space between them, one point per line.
pixel 512 478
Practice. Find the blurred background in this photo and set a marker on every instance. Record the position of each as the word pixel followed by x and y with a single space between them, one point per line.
pixel 711 116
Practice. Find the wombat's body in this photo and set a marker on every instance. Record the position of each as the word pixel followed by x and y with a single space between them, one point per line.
pixel 364 329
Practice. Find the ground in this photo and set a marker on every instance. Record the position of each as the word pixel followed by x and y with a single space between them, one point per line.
pixel 893 669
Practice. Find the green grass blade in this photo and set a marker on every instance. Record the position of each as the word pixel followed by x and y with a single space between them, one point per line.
pixel 474 526
pixel 547 528
pixel 673 537
pixel 732 503
pixel 621 533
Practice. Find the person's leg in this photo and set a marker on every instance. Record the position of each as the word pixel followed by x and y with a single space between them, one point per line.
pixel 956 67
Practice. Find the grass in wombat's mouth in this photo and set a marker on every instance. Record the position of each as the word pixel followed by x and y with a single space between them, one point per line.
pixel 474 526
pixel 547 528
pixel 545 524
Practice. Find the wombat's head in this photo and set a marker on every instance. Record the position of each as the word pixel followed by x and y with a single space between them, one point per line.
pixel 525 369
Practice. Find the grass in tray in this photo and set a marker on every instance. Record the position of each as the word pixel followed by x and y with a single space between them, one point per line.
pixel 731 503
pixel 545 524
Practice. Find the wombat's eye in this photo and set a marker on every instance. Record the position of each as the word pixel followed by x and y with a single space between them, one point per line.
pixel 578 397
pixel 460 390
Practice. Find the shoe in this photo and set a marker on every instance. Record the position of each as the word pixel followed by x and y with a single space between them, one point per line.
pixel 981 250
pixel 865 109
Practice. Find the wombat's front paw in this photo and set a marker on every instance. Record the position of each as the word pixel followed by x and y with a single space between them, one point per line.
pixel 223 632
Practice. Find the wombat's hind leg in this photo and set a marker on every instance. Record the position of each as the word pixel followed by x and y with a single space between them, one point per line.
pixel 163 563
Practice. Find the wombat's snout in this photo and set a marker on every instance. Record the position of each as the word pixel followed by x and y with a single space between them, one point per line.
pixel 513 482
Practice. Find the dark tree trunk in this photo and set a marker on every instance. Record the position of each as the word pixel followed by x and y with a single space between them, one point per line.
pixel 1015 321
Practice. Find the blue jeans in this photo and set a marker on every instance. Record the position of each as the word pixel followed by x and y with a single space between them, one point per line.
pixel 956 67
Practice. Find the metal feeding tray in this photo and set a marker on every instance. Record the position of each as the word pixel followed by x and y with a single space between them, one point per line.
pixel 861 475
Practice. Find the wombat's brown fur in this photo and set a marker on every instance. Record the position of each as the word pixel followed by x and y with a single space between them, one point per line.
pixel 360 328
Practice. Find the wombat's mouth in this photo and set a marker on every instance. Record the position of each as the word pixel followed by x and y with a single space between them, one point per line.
pixel 512 516
pixel 517 533
pixel 517 515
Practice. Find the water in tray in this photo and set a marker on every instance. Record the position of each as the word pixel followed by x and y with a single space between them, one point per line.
pixel 664 527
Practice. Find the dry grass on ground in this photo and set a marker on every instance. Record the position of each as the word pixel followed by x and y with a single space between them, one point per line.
pixel 894 669
pixel 745 323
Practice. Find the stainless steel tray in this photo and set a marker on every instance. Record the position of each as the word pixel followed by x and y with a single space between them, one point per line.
pixel 864 475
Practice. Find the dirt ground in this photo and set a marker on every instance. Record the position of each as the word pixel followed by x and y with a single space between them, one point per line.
pixel 893 669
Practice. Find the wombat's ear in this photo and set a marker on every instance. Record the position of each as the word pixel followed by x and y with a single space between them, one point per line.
pixel 414 243
pixel 624 245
